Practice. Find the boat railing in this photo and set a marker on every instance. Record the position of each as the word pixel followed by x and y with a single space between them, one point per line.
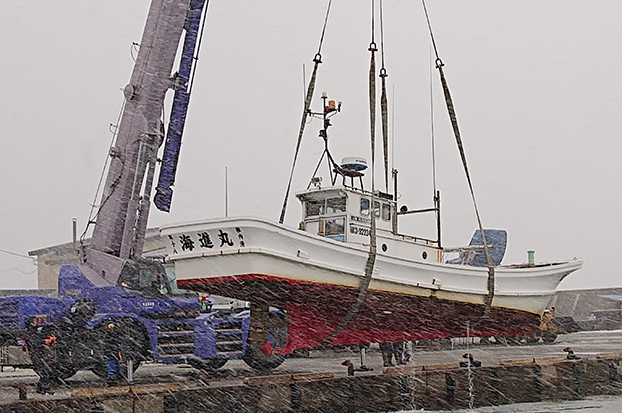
pixel 382 195
pixel 466 248
pixel 426 241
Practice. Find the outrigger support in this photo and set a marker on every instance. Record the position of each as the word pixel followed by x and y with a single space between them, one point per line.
pixel 263 337
pixel 259 328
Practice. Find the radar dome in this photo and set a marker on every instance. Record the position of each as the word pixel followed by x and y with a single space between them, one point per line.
pixel 354 163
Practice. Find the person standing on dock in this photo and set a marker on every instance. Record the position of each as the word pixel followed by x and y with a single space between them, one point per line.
pixel 41 349
pixel 387 354
pixel 390 351
pixel 112 352
pixel 398 352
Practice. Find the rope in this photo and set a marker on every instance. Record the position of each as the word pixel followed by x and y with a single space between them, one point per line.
pixel 301 131
pixel 305 113
pixel 427 18
pixel 454 124
pixel 319 49
pixel 381 36
pixel 17 255
pixel 373 30
pixel 385 128
pixel 371 258
pixel 384 107
pixel 432 129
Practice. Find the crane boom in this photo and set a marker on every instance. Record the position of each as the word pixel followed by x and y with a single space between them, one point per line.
pixel 170 156
pixel 122 218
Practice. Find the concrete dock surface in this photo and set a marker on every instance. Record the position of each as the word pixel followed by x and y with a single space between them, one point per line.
pixel 153 378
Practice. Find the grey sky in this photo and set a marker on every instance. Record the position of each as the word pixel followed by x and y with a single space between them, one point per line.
pixel 536 87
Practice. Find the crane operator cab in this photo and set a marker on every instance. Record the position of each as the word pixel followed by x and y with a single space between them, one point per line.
pixel 150 278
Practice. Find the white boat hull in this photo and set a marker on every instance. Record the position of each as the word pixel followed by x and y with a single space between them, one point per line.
pixel 247 257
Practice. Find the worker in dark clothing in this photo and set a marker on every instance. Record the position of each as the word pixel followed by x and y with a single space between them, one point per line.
pixel 112 352
pixel 41 348
pixel 73 337
pixel 391 350
pixel 387 354
pixel 398 352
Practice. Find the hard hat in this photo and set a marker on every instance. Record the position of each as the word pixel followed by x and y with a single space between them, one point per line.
pixel 111 325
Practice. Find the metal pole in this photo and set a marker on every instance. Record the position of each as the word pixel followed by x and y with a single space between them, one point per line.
pixel 226 192
pixel 75 233
pixel 362 351
pixel 130 371
pixel 394 171
pixel 437 202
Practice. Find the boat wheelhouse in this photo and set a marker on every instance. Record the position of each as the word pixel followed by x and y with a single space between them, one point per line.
pixel 343 213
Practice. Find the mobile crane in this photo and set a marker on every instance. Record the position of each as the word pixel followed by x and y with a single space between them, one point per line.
pixel 113 282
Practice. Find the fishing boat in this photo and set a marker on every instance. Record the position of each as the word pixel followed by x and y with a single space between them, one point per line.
pixel 347 275
pixel 316 273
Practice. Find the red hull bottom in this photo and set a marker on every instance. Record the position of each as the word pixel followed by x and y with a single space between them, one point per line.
pixel 316 310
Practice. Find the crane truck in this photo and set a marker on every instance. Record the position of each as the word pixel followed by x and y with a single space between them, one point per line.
pixel 112 282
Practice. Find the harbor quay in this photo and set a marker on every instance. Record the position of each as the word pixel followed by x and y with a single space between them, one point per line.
pixel 433 380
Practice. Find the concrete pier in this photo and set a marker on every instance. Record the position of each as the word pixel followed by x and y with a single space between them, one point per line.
pixel 322 385
pixel 427 387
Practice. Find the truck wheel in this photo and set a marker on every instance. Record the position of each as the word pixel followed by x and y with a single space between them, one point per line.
pixel 56 373
pixel 258 360
pixel 64 372
pixel 275 324
pixel 208 364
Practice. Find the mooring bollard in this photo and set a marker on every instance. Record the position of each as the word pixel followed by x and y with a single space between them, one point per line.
pixel 22 391
pixel 130 371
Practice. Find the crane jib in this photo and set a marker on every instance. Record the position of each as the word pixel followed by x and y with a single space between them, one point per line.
pixel 170 156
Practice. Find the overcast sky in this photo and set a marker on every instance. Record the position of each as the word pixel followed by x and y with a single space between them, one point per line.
pixel 536 86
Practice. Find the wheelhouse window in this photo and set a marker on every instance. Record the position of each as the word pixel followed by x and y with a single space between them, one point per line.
pixel 330 206
pixel 314 208
pixel 364 206
pixel 377 209
pixel 386 212
pixel 335 205
pixel 335 228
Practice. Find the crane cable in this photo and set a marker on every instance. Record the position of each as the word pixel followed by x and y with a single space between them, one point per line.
pixel 317 59
pixel 454 124
pixel 371 258
pixel 93 215
pixel 384 107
